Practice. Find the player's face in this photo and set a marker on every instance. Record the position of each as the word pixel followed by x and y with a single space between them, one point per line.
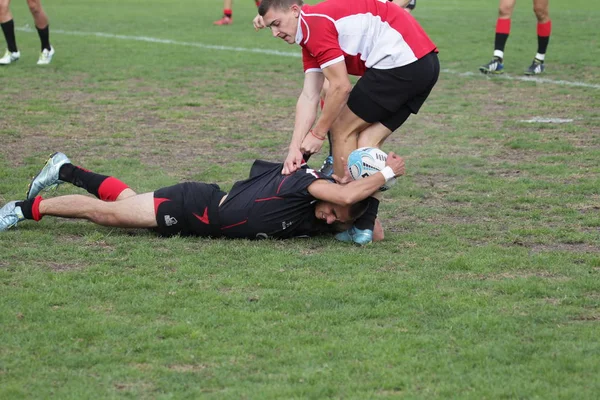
pixel 283 23
pixel 331 213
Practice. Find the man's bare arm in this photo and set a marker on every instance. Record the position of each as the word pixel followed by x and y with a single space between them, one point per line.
pixel 358 190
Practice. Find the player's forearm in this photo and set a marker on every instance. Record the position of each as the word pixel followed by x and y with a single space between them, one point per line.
pixel 360 189
pixel 306 113
pixel 335 100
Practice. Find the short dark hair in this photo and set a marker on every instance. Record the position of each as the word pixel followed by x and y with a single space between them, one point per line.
pixel 266 5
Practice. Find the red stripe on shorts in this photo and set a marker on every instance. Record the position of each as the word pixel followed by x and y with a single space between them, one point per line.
pixel 231 226
pixel 157 202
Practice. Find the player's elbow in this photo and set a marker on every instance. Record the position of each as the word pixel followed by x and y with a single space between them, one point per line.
pixel 347 198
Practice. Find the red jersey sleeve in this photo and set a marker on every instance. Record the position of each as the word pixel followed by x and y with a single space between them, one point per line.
pixel 310 63
pixel 321 41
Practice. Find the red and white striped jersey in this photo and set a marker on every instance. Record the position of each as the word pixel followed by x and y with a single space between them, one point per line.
pixel 363 33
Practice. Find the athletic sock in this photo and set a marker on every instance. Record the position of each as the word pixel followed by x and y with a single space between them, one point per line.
pixel 31 208
pixel 44 34
pixel 367 220
pixel 543 34
pixel 8 28
pixel 228 12
pixel 257 2
pixel 502 32
pixel 106 188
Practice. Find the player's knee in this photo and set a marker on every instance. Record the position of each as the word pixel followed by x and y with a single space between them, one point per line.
pixel 34 6
pixel 126 193
pixel 541 13
pixel 4 11
pixel 99 217
pixel 505 12
pixel 103 216
pixel 366 140
pixel 339 134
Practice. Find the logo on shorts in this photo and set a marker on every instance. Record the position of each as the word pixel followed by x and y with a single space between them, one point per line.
pixel 170 221
pixel 286 225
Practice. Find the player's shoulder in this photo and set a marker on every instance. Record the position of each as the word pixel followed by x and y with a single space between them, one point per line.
pixel 327 10
pixel 308 175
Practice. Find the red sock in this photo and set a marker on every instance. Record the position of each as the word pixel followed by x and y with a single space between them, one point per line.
pixel 35 208
pixel 257 2
pixel 110 189
pixel 544 29
pixel 503 26
pixel 228 12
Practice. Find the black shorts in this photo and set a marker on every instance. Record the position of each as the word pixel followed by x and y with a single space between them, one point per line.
pixel 389 96
pixel 188 209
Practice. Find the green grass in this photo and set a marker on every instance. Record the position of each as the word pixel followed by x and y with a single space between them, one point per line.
pixel 487 285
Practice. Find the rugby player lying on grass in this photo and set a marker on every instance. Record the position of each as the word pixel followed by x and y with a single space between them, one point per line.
pixel 266 205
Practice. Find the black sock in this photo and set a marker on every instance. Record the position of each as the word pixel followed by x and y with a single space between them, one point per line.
pixel 8 28
pixel 543 44
pixel 44 34
pixel 82 178
pixel 500 41
pixel 26 207
pixel 367 220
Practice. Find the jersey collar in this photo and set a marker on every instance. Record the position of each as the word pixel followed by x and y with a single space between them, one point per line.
pixel 299 34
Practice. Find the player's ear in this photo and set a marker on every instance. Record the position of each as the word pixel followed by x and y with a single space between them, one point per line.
pixel 295 10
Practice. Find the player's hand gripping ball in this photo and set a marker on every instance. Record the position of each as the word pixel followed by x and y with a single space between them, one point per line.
pixel 367 161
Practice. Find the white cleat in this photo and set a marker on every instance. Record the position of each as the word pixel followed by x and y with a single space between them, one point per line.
pixel 48 177
pixel 10 216
pixel 10 57
pixel 46 56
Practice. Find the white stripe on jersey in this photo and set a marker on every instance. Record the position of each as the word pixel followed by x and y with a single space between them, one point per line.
pixel 334 61
pixel 380 46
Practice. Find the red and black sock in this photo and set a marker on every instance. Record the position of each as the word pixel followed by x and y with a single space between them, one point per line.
pixel 543 34
pixel 502 32
pixel 367 220
pixel 106 188
pixel 8 28
pixel 44 34
pixel 31 208
pixel 228 12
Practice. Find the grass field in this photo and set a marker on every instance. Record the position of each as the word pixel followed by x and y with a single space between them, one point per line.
pixel 488 282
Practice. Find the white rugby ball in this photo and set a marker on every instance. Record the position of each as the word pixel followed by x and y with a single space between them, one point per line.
pixel 367 161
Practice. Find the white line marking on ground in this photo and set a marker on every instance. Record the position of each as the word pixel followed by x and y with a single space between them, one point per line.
pixel 526 79
pixel 547 120
pixel 171 42
pixel 290 54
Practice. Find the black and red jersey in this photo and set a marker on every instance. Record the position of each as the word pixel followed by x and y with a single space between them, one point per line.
pixel 271 205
